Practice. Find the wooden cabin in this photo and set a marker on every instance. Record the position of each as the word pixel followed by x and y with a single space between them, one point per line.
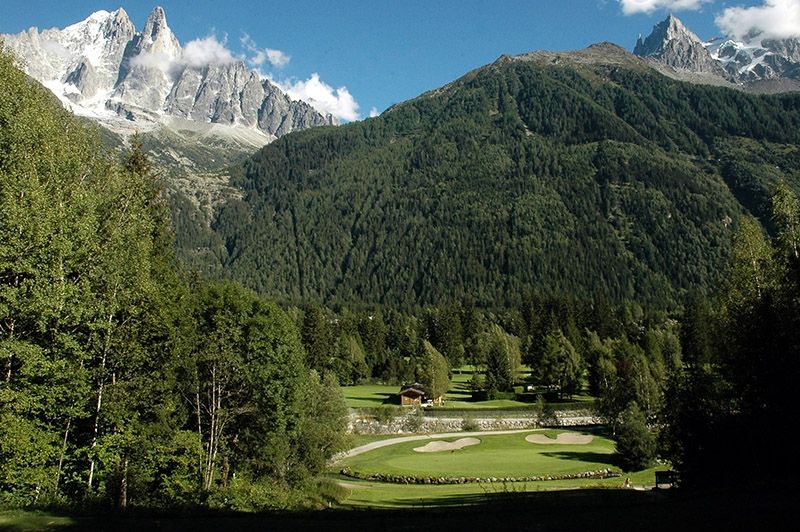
pixel 412 394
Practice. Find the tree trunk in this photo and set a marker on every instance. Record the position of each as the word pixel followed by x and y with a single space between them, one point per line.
pixel 95 430
pixel 100 387
pixel 208 475
pixel 123 485
pixel 63 452
pixel 10 359
pixel 199 424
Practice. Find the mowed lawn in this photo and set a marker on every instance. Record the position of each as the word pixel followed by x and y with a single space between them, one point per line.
pixel 508 455
pixel 383 495
pixel 458 395
pixel 370 395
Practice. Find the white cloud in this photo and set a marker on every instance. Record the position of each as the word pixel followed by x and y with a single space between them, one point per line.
pixel 259 56
pixel 629 7
pixel 162 62
pixel 56 49
pixel 207 51
pixel 373 112
pixel 324 98
pixel 277 58
pixel 778 19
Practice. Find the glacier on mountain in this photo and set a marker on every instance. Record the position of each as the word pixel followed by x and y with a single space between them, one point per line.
pixel 743 63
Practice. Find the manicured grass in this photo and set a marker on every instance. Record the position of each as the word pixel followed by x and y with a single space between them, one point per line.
pixel 369 395
pixel 506 455
pixel 383 495
pixel 24 520
pixel 458 397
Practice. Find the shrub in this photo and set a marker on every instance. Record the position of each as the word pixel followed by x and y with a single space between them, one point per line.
pixel 414 420
pixel 636 444
pixel 469 424
pixel 384 414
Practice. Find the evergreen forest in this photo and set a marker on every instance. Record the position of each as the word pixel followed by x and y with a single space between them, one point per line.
pixel 588 175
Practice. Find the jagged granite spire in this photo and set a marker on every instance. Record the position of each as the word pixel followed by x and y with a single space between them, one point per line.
pixel 673 44
pixel 148 65
pixel 157 37
pixel 101 67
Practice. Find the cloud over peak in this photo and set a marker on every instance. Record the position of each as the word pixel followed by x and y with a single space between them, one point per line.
pixel 630 7
pixel 259 56
pixel 778 19
pixel 324 98
pixel 208 51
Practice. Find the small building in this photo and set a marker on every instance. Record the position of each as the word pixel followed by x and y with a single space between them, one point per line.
pixel 412 394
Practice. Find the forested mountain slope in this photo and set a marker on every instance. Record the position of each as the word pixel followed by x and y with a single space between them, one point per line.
pixel 586 173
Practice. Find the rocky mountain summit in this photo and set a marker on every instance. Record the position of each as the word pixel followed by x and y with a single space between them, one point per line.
pixel 757 64
pixel 675 45
pixel 104 69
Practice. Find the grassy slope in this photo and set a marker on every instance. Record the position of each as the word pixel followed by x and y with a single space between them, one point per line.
pixel 496 456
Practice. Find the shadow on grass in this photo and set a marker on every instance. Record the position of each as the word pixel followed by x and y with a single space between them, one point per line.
pixel 756 508
pixel 583 509
pixel 389 398
pixel 590 457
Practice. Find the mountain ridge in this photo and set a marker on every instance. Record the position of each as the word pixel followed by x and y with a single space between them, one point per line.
pixel 757 65
pixel 598 179
pixel 102 68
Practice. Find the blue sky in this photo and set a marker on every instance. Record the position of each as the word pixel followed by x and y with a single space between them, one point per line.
pixel 373 53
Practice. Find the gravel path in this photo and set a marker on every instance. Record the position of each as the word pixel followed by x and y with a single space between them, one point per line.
pixel 384 443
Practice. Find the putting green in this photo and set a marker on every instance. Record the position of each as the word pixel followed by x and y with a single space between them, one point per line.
pixel 506 455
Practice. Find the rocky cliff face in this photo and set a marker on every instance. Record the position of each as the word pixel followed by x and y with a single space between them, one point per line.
pixel 104 69
pixel 675 45
pixel 770 59
pixel 741 63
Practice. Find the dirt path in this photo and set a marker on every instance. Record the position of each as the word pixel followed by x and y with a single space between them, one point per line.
pixel 391 441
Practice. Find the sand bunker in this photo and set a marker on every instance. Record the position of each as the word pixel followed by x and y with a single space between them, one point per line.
pixel 441 446
pixel 569 438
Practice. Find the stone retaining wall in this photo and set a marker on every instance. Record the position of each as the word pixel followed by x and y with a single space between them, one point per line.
pixel 412 423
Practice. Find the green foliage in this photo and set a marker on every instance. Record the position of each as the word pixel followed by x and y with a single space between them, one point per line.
pixel 414 419
pixel 121 383
pixel 636 444
pixel 501 356
pixel 561 365
pixel 434 372
pixel 324 422
pixel 717 411
pixel 384 414
pixel 591 181
pixel 469 424
pixel 545 413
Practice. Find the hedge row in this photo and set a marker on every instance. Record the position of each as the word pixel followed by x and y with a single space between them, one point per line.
pixel 403 479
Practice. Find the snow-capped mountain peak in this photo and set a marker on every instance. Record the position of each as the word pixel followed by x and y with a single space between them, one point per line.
pixel 738 62
pixel 103 68
pixel 157 37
